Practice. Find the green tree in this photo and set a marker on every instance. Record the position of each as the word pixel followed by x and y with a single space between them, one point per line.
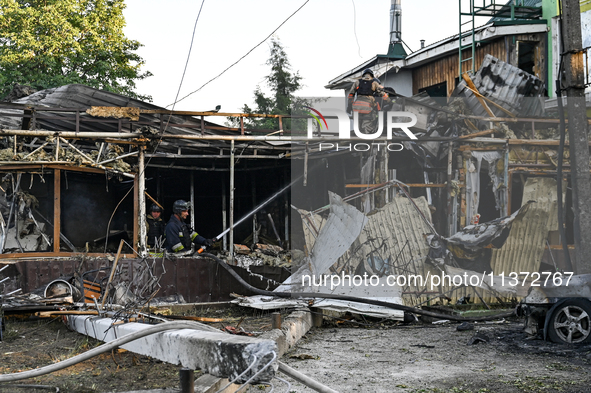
pixel 50 43
pixel 283 83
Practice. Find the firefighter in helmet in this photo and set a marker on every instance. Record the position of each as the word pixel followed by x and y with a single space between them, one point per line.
pixel 364 99
pixel 178 234
pixel 155 226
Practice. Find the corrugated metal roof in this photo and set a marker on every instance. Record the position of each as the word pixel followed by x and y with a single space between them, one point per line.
pixel 392 242
pixel 523 250
pixel 509 86
pixel 81 97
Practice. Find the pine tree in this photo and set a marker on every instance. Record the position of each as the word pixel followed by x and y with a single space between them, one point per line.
pixel 283 83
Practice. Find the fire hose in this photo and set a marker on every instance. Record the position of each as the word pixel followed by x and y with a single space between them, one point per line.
pixel 374 302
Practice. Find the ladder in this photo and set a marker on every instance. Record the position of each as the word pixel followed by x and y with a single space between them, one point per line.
pixel 470 9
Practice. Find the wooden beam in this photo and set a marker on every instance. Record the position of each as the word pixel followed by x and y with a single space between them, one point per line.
pixel 516 119
pixel 191 113
pixel 113 269
pixel 477 94
pixel 477 134
pixel 48 314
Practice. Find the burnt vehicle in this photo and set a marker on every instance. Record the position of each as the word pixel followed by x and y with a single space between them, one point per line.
pixel 559 309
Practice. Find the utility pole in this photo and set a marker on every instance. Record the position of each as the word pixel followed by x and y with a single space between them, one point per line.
pixel 574 84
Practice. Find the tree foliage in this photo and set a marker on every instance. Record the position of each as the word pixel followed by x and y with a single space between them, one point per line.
pixel 50 43
pixel 283 83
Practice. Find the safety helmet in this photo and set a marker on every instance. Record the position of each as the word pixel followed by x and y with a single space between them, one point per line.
pixel 180 206
pixel 155 208
pixel 368 71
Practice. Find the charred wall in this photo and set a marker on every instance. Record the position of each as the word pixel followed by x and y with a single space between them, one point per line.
pixel 446 69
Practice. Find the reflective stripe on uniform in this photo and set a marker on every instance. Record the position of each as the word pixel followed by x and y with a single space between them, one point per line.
pixel 177 247
pixel 193 236
pixel 362 107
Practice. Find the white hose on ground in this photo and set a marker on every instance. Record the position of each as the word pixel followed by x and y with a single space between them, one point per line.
pixel 309 382
pixel 102 349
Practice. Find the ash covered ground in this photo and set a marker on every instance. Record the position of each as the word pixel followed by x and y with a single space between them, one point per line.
pixel 380 357
pixel 431 358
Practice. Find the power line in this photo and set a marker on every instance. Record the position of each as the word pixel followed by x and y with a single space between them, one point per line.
pixel 355 28
pixel 143 170
pixel 189 54
pixel 240 59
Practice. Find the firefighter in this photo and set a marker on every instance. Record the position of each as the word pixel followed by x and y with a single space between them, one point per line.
pixel 362 99
pixel 155 226
pixel 178 234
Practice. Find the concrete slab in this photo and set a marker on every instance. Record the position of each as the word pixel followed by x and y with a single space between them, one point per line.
pixel 293 328
pixel 216 353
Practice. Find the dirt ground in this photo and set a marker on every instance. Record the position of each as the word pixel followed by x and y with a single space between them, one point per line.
pixel 437 359
pixel 381 357
pixel 32 344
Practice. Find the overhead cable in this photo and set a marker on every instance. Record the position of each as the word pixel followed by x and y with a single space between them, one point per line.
pixel 355 28
pixel 240 59
pixel 188 54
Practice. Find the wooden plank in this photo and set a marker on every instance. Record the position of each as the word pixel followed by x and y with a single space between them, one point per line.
pixel 472 148
pixel 477 94
pixel 47 314
pixel 112 272
pixel 17 167
pixel 477 134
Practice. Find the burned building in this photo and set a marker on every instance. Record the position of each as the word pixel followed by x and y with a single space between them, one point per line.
pixel 80 167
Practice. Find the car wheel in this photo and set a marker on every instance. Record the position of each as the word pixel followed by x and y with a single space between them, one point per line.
pixel 570 323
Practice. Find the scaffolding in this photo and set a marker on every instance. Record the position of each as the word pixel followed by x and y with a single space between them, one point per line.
pixel 512 10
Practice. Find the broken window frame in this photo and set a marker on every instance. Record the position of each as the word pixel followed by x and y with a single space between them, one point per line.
pixel 58 169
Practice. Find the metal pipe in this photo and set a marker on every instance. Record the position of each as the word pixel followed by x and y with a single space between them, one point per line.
pixel 231 229
pixel 62 236
pixel 302 378
pixel 448 188
pixel 224 215
pixel 187 380
pixel 237 138
pixel 259 207
pixel 192 196
pixel 506 175
pixel 142 203
pixel 12 293
pixel 133 153
pixel 77 150
pixel 36 150
pixel 255 238
pixel 274 229
pixel 38 227
pixel 559 175
pixel 100 152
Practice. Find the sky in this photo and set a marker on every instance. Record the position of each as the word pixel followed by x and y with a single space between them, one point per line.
pixel 325 39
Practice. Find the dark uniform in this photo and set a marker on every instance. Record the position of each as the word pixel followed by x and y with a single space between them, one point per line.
pixel 179 236
pixel 155 230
